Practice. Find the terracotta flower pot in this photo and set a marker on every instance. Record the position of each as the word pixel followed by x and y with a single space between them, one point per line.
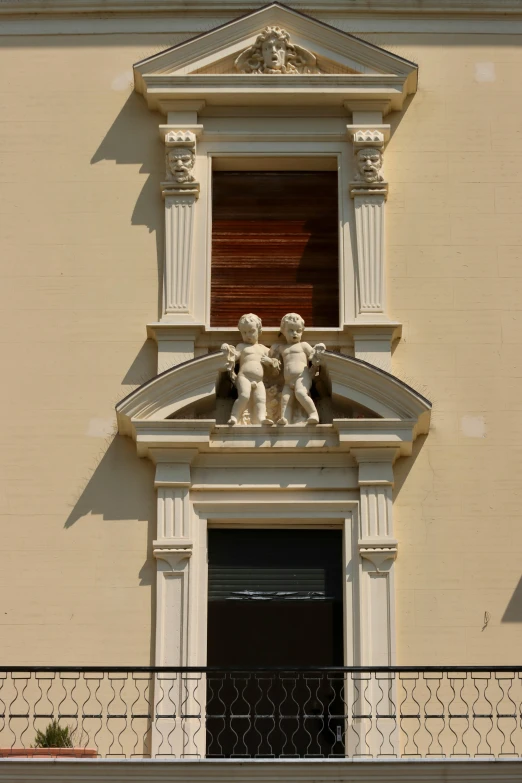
pixel 39 753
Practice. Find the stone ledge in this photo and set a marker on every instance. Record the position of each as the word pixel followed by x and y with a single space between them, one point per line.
pixel 265 771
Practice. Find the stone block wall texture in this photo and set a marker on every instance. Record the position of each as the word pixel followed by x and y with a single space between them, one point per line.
pixel 81 239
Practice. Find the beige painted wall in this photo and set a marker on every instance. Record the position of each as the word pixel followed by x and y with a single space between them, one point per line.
pixel 79 152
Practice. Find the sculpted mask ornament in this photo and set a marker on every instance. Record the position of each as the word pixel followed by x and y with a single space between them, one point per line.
pixel 369 165
pixel 274 53
pixel 180 162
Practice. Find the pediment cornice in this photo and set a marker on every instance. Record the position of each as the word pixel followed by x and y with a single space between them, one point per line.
pixel 204 68
pixel 400 413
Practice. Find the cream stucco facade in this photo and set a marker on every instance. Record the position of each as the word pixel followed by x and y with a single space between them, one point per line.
pixel 103 554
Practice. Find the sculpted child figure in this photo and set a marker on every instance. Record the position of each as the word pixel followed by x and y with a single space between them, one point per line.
pixel 249 380
pixel 297 358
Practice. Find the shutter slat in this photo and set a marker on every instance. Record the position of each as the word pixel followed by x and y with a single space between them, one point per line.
pixel 275 247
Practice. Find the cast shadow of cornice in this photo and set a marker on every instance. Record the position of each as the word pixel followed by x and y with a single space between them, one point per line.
pixel 144 366
pixel 121 487
pixel 513 613
pixel 133 139
pixel 403 465
pixel 396 117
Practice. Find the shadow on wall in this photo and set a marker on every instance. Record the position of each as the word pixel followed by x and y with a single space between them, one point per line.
pixel 143 368
pixel 133 139
pixel 121 487
pixel 513 613
pixel 403 465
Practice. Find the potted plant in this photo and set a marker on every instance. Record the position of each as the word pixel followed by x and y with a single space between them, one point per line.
pixel 55 740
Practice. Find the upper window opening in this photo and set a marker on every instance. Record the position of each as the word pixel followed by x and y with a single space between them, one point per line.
pixel 275 246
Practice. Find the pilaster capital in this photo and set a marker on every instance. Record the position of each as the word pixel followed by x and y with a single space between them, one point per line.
pixel 181 111
pixel 379 554
pixel 368 109
pixel 172 551
pixel 176 472
pixel 375 465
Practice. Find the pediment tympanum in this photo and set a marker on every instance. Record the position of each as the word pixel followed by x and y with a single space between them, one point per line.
pixel 327 66
pixel 359 405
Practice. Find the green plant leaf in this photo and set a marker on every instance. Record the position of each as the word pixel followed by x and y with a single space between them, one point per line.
pixel 54 736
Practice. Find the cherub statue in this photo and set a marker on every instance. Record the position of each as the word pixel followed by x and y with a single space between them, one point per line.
pixel 253 358
pixel 180 162
pixel 272 52
pixel 369 165
pixel 298 359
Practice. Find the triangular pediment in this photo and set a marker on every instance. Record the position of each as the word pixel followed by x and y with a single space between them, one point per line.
pixel 221 64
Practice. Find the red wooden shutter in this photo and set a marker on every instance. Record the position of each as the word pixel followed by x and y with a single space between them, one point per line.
pixel 275 246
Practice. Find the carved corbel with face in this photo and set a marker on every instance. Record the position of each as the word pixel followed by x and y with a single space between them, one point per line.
pixel 180 157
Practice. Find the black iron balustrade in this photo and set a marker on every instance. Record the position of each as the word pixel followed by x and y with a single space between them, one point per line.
pixel 275 712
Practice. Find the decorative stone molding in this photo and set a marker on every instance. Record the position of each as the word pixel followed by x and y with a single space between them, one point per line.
pixel 403 412
pixel 202 68
pixel 180 138
pixel 368 161
pixel 369 191
pixel 369 224
pixel 273 53
pixel 196 79
pixel 180 191
pixel 378 550
pixel 368 137
pixel 378 555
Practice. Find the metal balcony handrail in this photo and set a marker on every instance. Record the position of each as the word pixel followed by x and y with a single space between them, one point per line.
pixel 249 667
pixel 266 711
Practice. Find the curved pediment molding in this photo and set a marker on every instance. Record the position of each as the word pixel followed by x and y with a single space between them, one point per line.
pixel 176 388
pixel 332 66
pixel 375 389
pixel 393 407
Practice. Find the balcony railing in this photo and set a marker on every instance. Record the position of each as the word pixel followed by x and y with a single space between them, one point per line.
pixel 474 712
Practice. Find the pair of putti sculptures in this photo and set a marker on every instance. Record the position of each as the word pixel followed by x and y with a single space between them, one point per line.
pixel 298 360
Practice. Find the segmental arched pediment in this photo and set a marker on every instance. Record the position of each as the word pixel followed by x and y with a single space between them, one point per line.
pixel 161 411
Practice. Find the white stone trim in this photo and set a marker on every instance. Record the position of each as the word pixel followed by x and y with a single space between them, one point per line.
pixel 147 408
pixel 179 229
pixel 369 221
pixel 175 82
